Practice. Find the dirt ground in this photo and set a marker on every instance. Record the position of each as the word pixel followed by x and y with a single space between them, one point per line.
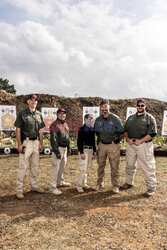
pixel 92 220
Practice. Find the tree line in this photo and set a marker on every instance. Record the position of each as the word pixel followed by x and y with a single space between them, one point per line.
pixel 5 85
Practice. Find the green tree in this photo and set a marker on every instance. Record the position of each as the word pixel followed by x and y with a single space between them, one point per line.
pixel 4 84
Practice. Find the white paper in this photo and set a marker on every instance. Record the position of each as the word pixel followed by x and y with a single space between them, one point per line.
pixel 94 111
pixel 7 117
pixel 130 111
pixel 49 116
pixel 164 125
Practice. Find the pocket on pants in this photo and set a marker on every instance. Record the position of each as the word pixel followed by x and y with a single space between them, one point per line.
pixel 149 151
pixel 98 148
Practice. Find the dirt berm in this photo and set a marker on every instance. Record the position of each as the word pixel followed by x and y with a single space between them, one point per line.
pixel 74 105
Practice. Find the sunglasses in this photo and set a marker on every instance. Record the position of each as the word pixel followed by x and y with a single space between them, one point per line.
pixel 142 105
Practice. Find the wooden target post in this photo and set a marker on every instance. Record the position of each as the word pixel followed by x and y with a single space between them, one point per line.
pixel 1 136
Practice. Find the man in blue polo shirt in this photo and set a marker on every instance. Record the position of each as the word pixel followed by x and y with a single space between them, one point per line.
pixel 108 128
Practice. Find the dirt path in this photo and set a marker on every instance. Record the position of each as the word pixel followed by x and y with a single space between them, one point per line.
pixel 93 220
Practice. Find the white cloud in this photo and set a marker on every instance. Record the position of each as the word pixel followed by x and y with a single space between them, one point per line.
pixel 34 8
pixel 80 57
pixel 87 47
pixel 64 82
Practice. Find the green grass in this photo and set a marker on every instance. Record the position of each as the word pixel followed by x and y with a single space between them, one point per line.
pixel 160 141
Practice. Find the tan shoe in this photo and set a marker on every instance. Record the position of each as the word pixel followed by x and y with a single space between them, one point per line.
pixel 64 184
pixel 80 190
pixel 86 187
pixel 150 192
pixel 115 190
pixel 19 195
pixel 56 191
pixel 38 190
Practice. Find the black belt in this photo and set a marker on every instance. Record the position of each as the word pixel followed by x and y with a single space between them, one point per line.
pixel 106 142
pixel 33 138
pixel 90 147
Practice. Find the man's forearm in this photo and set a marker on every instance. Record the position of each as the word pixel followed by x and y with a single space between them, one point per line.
pixel 126 135
pixel 18 136
pixel 146 138
pixel 121 136
pixel 41 136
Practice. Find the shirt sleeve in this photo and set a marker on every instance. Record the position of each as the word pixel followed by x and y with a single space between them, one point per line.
pixel 152 127
pixel 68 147
pixel 119 127
pixel 80 141
pixel 96 128
pixel 19 121
pixel 53 139
pixel 94 146
pixel 125 126
pixel 42 125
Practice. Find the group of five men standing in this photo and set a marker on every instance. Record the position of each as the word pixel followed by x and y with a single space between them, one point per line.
pixel 139 130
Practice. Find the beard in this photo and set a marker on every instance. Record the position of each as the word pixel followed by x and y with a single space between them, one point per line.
pixel 140 111
pixel 105 112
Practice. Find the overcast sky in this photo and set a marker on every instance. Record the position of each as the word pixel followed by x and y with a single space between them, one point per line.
pixel 108 48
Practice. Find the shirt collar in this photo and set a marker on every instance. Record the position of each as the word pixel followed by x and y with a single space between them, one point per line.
pixel 88 128
pixel 141 115
pixel 31 112
pixel 60 121
pixel 106 117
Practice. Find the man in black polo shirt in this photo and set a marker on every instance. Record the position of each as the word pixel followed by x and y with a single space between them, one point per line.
pixel 140 128
pixel 86 148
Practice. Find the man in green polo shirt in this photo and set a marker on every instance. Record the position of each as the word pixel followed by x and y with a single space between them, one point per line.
pixel 29 134
pixel 108 128
pixel 140 128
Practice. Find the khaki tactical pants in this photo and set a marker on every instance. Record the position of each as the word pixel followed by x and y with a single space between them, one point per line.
pixel 145 155
pixel 29 159
pixel 113 153
pixel 57 169
pixel 83 168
